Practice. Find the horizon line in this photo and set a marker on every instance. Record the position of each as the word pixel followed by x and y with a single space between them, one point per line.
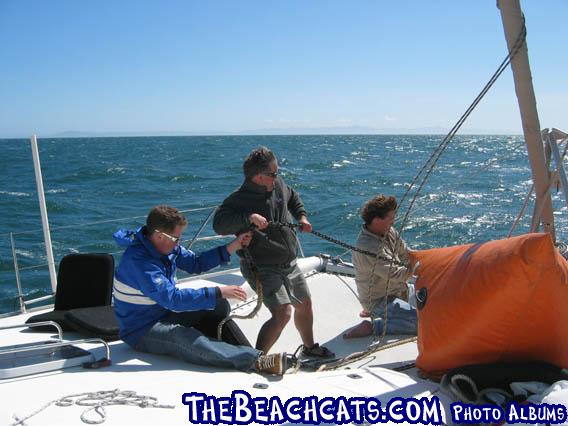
pixel 205 134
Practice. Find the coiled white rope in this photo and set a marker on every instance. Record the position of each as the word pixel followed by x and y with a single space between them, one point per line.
pixel 97 401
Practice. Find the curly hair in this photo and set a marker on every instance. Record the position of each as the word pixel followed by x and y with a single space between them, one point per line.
pixel 378 206
pixel 258 161
pixel 164 218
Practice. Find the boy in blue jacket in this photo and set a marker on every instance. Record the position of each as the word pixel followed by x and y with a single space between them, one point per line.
pixel 156 316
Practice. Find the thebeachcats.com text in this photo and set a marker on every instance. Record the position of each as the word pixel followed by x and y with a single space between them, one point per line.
pixel 242 409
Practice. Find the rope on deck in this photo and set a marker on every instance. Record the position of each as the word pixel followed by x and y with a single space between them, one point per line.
pixel 259 291
pixel 97 401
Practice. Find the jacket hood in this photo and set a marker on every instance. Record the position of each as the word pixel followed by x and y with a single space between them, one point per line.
pixel 126 237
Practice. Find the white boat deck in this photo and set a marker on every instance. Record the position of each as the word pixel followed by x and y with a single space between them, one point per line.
pixel 167 379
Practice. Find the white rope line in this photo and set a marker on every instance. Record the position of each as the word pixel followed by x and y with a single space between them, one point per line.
pixel 79 225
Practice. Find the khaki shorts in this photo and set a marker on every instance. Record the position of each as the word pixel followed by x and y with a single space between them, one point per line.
pixel 280 284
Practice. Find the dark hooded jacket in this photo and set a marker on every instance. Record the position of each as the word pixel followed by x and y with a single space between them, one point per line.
pixel 275 245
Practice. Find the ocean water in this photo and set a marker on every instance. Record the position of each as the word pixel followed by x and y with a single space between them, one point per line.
pixel 94 186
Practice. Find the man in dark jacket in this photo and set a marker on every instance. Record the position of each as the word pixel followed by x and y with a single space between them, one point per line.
pixel 264 201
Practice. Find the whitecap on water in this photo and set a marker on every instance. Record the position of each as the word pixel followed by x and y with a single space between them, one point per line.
pixel 518 170
pixel 120 170
pixel 484 220
pixel 15 194
pixel 466 195
pixel 430 219
pixel 25 253
pixel 463 219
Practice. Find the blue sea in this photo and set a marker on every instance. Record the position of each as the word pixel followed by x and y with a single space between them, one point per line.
pixel 94 186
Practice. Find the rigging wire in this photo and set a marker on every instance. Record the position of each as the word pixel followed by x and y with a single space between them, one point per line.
pixel 433 159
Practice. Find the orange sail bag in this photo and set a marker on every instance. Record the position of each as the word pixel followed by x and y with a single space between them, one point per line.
pixel 503 300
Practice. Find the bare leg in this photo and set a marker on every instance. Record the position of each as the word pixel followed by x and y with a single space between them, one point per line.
pixel 304 321
pixel 364 328
pixel 271 329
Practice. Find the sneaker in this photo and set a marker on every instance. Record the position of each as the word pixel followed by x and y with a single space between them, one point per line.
pixel 272 364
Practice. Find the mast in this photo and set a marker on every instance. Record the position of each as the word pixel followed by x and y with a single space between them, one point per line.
pixel 513 22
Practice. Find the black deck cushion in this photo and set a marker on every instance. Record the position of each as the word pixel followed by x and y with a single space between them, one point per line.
pixel 56 316
pixel 84 280
pixel 98 321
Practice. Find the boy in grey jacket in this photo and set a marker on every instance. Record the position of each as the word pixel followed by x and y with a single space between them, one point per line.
pixel 373 273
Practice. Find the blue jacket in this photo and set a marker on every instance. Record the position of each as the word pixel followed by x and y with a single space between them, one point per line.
pixel 144 283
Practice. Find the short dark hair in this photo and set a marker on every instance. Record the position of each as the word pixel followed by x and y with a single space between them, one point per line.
pixel 164 218
pixel 258 161
pixel 378 206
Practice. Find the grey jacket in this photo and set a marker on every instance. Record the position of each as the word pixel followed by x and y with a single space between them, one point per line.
pixel 275 245
pixel 371 274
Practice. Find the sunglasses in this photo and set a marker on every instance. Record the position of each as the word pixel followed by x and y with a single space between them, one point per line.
pixel 270 174
pixel 168 236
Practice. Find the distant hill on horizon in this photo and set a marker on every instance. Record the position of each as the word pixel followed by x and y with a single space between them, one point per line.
pixel 348 130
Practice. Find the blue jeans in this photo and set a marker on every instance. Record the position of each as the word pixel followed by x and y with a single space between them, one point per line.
pixel 401 319
pixel 177 335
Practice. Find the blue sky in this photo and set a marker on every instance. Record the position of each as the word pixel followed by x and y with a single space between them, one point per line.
pixel 148 67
